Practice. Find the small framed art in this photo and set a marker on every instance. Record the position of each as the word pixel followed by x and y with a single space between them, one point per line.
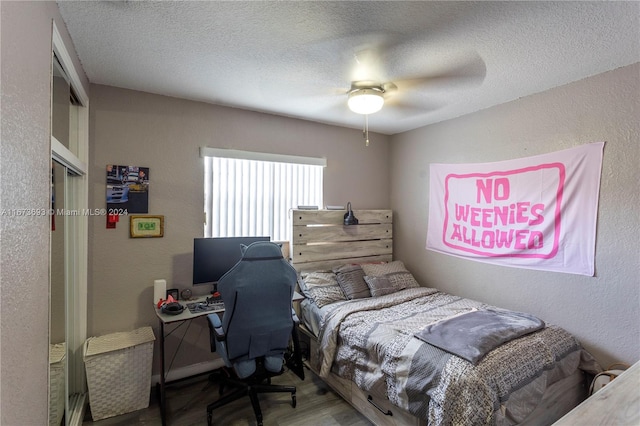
pixel 146 226
pixel 173 292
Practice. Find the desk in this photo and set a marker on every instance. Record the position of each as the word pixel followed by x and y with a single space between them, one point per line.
pixel 186 315
pixel 618 403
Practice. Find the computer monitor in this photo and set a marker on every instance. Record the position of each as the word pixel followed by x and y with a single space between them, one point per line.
pixel 213 257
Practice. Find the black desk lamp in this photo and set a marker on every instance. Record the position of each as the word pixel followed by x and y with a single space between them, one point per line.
pixel 349 218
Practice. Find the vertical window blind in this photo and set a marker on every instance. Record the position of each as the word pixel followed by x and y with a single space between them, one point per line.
pixel 247 197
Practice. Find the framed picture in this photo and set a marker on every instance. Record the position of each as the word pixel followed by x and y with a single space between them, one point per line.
pixel 146 226
pixel 173 292
pixel 127 189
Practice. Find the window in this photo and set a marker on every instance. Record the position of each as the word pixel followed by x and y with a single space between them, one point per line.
pixel 251 194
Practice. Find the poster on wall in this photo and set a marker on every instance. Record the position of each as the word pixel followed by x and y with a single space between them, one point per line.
pixel 127 189
pixel 536 213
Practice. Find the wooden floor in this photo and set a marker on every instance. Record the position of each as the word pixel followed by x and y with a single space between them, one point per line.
pixel 317 405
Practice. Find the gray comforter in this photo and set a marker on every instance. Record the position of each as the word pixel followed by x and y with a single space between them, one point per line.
pixel 371 342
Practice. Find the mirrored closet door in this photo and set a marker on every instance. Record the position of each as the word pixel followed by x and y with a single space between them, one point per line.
pixel 68 243
pixel 58 401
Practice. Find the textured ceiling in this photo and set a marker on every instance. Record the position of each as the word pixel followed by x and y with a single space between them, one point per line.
pixel 298 59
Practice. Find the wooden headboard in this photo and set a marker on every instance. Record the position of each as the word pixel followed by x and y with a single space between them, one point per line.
pixel 320 240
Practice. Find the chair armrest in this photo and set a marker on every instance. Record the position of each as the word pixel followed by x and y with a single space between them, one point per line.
pixel 215 328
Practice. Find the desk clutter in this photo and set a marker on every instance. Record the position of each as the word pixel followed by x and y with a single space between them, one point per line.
pixel 210 304
pixel 170 306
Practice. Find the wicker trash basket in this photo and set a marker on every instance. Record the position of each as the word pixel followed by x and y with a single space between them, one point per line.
pixel 118 367
pixel 57 394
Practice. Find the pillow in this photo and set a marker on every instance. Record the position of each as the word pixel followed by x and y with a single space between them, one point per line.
pixel 379 286
pixel 323 295
pixel 378 269
pixel 321 287
pixel 402 280
pixel 395 271
pixel 351 281
pixel 314 279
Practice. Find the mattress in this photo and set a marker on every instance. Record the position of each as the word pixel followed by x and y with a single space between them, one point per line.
pixel 371 342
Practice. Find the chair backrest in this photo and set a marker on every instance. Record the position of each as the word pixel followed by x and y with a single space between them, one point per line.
pixel 257 295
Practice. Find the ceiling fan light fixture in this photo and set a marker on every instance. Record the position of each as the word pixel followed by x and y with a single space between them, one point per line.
pixel 366 101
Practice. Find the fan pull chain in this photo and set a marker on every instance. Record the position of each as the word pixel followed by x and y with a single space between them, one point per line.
pixel 365 132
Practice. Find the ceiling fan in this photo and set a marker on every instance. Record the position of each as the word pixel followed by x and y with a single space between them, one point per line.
pixel 367 97
pixel 367 93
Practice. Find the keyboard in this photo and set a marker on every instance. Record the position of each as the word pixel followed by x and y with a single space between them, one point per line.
pixel 197 307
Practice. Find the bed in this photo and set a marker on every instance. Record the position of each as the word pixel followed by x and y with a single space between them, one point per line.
pixel 383 341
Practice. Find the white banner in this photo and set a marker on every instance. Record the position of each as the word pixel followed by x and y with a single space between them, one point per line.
pixel 537 212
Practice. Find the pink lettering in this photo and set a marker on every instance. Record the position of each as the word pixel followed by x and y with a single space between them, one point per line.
pixel 487 221
pixel 488 240
pixel 536 240
pixel 536 212
pixel 470 239
pixel 502 214
pixel 462 212
pixel 455 235
pixel 521 213
pixel 485 188
pixel 524 239
pixel 503 238
pixel 521 236
pixel 502 189
pixel 475 213
pixel 497 224
pixel 489 189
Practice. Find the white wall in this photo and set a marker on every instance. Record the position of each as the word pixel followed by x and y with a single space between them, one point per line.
pixel 25 181
pixel 135 128
pixel 602 310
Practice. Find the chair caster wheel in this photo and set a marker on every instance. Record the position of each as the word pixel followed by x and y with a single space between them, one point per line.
pixel 293 401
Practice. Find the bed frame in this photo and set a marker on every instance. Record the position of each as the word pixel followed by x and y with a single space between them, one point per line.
pixel 320 241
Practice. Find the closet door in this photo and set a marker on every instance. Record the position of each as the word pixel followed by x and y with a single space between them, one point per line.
pixel 57 299
pixel 68 249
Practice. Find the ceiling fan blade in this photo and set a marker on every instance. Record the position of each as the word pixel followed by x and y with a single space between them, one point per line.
pixel 368 52
pixel 389 87
pixel 405 108
pixel 468 72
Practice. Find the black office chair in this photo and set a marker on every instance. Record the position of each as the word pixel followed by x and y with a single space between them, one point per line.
pixel 257 324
